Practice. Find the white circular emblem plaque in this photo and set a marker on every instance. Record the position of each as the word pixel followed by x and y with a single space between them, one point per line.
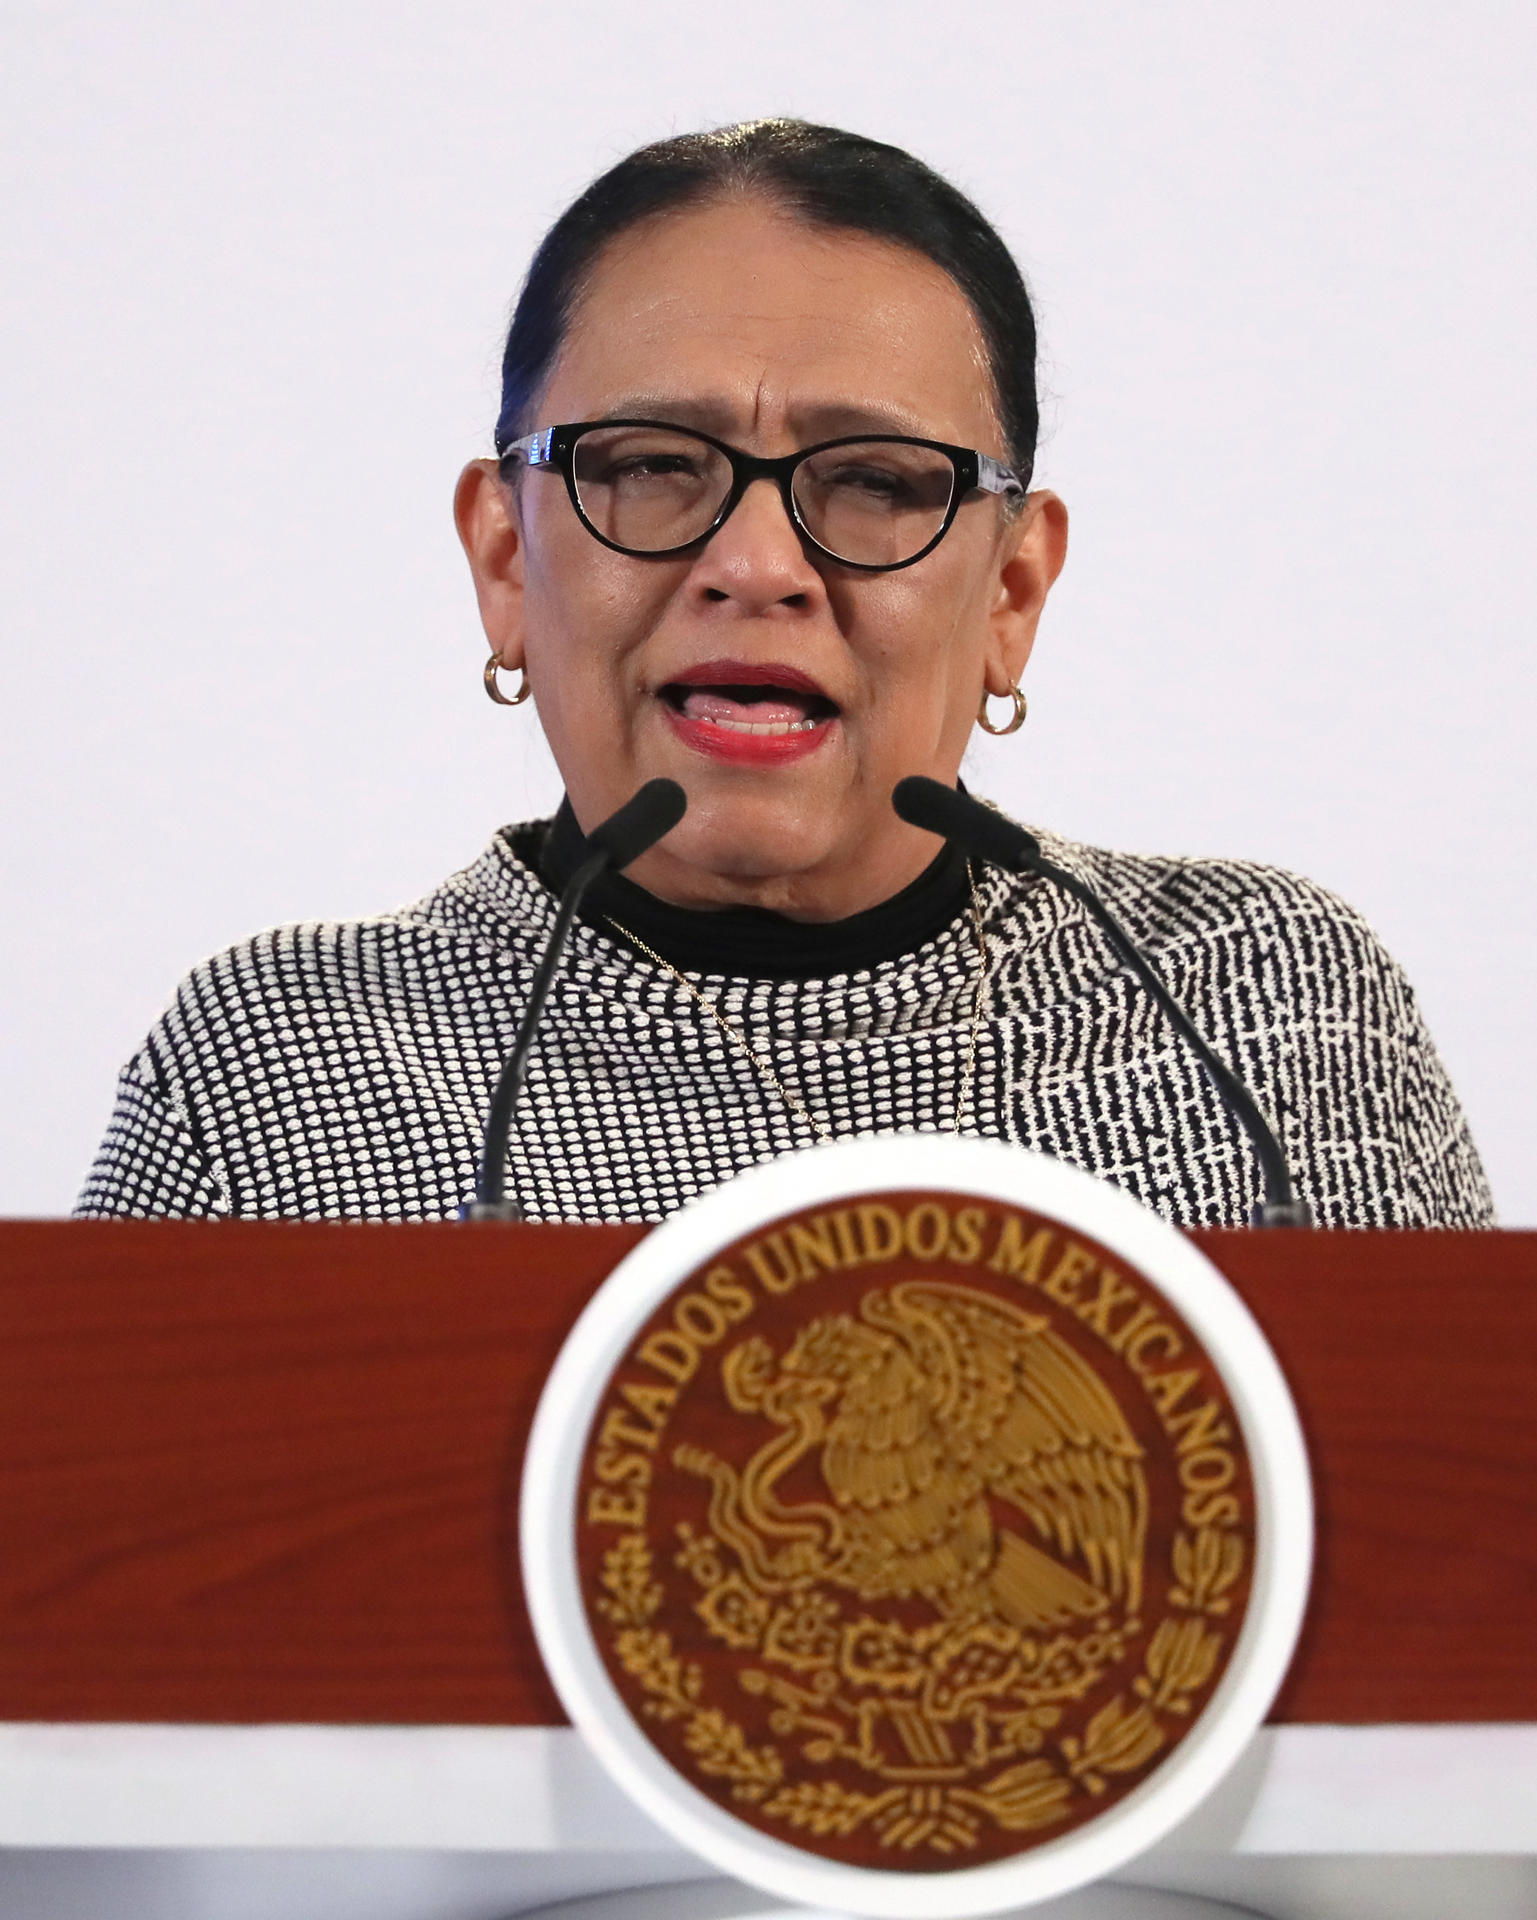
pixel 916 1527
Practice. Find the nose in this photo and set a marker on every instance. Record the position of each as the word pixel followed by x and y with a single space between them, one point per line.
pixel 758 558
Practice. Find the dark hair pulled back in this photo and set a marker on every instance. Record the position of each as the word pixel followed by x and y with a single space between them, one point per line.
pixel 827 178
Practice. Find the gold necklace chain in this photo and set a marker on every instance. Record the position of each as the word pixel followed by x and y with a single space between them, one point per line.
pixel 765 1067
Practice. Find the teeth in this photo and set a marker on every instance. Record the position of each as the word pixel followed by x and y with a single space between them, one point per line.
pixel 766 726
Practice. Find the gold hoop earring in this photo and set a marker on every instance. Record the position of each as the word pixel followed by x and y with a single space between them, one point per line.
pixel 1016 719
pixel 495 692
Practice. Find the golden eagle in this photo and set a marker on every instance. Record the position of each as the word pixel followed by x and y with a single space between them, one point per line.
pixel 931 1408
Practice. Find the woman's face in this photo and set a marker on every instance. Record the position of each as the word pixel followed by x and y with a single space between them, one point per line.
pixel 770 335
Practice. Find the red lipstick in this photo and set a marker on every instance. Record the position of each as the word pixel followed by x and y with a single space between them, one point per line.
pixel 756 713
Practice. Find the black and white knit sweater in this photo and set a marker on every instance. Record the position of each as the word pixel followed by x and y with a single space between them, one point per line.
pixel 343 1070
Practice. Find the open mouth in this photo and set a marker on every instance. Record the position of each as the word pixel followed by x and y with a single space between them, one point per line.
pixel 761 709
pixel 754 713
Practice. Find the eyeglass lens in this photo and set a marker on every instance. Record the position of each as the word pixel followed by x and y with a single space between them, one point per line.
pixel 871 502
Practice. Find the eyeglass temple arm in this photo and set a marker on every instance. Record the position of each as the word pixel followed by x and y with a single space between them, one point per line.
pixel 994 477
pixel 534 448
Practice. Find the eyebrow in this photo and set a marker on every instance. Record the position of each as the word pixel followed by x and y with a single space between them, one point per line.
pixel 822 420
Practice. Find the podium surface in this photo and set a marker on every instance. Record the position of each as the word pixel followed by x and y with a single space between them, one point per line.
pixel 258 1589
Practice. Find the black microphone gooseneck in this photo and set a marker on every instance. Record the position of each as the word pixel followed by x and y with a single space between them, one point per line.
pixel 642 820
pixel 991 836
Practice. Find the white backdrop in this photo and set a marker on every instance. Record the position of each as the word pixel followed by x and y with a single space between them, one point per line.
pixel 257 259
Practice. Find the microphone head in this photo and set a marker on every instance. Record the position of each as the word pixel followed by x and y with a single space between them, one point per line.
pixel 655 809
pixel 953 815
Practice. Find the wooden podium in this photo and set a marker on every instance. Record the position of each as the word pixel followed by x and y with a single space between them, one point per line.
pixel 260 1612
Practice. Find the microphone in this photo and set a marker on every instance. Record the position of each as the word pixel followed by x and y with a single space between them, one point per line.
pixel 624 836
pixel 993 837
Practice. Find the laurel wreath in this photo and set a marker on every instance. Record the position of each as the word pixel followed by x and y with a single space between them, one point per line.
pixel 1120 1738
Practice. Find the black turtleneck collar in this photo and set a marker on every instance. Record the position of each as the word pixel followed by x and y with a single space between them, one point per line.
pixel 750 942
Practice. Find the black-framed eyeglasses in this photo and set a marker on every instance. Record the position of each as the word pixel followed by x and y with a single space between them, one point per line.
pixel 871 501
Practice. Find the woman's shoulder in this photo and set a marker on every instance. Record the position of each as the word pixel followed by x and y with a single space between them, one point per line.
pixel 1294 988
pixel 1241 944
pixel 487 917
pixel 1171 902
pixel 290 1046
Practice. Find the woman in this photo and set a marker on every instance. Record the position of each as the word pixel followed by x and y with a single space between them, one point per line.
pixel 760 521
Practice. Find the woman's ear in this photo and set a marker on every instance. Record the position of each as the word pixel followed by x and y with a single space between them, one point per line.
pixel 1030 558
pixel 485 512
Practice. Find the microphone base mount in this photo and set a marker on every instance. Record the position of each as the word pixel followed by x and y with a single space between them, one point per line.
pixel 1281 1213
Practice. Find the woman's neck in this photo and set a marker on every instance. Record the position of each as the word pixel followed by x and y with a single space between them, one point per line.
pixel 755 942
